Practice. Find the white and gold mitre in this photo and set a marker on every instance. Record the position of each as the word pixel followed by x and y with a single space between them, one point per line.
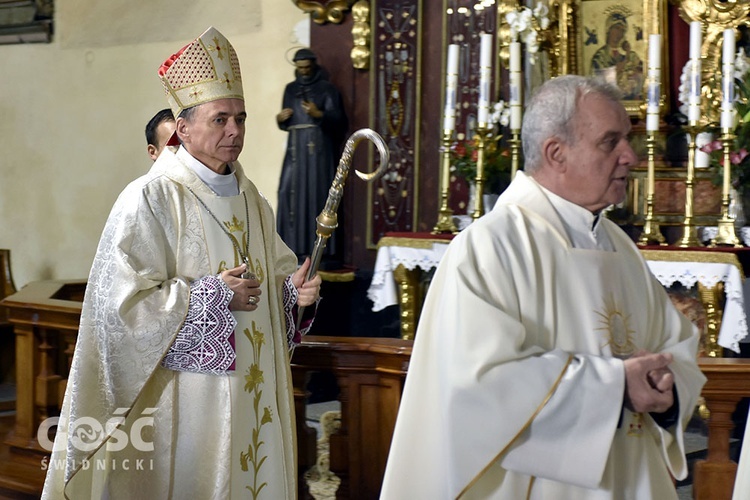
pixel 203 71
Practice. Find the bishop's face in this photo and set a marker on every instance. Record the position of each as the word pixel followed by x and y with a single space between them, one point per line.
pixel 215 133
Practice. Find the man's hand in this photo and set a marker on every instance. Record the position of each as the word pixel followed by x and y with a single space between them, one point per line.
pixel 649 382
pixel 246 291
pixel 284 115
pixel 309 291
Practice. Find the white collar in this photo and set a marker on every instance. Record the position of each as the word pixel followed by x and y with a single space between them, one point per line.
pixel 221 184
pixel 584 229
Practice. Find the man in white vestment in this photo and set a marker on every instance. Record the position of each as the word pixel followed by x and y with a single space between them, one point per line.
pixel 548 362
pixel 180 385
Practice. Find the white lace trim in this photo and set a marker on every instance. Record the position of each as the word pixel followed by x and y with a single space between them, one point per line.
pixel 382 291
pixel 203 343
pixel 734 319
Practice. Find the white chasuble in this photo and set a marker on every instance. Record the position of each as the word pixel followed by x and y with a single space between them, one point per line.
pixel 162 433
pixel 516 382
pixel 258 468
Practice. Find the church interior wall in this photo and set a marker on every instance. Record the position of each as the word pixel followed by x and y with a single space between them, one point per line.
pixel 73 114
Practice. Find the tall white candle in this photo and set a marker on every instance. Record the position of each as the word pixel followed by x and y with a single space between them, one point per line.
pixel 485 71
pixel 451 85
pixel 654 82
pixel 696 42
pixel 515 86
pixel 727 63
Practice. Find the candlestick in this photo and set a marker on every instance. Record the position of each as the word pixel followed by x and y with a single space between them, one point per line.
pixel 485 72
pixel 726 235
pixel 515 151
pixel 689 231
pixel 727 63
pixel 514 74
pixel 482 134
pixel 651 231
pixel 445 223
pixel 696 42
pixel 451 84
pixel 654 83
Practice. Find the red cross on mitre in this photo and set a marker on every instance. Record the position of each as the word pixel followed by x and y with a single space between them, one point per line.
pixel 227 80
pixel 195 93
pixel 217 48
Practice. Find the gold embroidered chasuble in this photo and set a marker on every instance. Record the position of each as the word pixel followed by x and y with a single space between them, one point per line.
pixel 515 385
pixel 196 435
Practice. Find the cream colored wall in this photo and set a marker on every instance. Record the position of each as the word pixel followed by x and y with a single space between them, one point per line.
pixel 72 117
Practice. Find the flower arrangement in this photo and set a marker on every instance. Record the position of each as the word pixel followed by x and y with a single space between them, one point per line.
pixel 739 157
pixel 526 24
pixel 496 159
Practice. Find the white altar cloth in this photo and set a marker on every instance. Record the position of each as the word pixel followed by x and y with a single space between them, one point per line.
pixel 383 291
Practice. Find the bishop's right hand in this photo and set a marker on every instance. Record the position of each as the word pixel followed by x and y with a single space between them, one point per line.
pixel 246 290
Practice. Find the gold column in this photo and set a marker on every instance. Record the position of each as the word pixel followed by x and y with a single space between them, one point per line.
pixel 408 284
pixel 712 298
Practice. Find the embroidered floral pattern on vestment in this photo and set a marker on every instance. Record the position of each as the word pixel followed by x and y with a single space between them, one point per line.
pixel 254 381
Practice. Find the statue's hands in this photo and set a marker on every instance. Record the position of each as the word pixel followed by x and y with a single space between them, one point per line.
pixel 308 291
pixel 311 109
pixel 284 115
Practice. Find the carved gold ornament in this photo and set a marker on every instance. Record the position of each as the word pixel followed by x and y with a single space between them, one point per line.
pixel 325 11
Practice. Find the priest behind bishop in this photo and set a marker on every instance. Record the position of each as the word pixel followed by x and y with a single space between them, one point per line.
pixel 180 385
pixel 548 361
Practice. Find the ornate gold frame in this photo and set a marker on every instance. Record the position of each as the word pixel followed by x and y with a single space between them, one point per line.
pixel 652 18
pixel 323 11
pixel 563 40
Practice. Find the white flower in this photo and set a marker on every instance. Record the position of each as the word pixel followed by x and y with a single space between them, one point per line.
pixel 684 89
pixel 522 26
pixel 531 41
pixel 540 12
pixel 500 113
pixel 741 64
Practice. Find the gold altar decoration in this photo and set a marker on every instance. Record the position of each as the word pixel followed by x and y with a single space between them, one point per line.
pixel 360 53
pixel 689 229
pixel 323 11
pixel 726 235
pixel 716 16
pixel 445 223
pixel 651 231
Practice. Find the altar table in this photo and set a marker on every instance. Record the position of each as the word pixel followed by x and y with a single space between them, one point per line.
pixel 718 272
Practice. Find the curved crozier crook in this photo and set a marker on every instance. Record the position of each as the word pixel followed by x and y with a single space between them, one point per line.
pixel 383 152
